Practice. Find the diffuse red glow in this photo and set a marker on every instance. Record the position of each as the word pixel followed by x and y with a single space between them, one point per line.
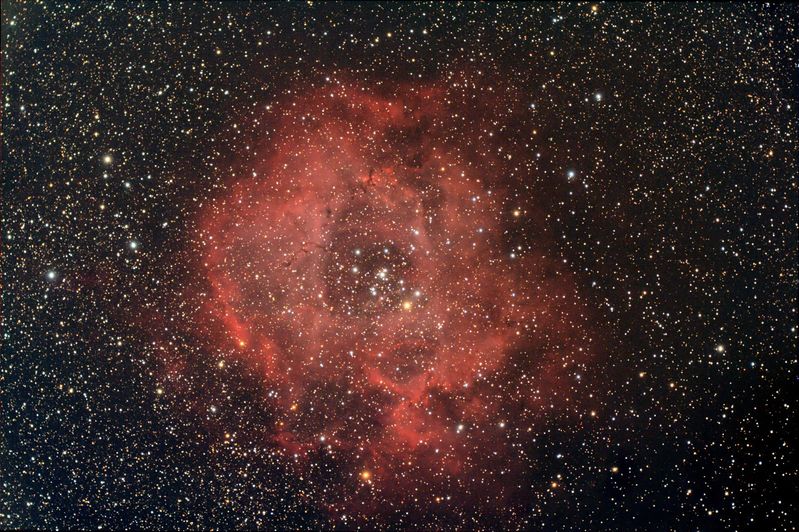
pixel 364 266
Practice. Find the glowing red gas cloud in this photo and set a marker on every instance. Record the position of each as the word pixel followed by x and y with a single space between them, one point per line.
pixel 364 265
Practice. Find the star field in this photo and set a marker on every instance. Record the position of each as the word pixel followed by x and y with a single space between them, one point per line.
pixel 398 265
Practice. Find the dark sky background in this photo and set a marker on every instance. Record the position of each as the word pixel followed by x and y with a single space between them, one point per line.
pixel 642 159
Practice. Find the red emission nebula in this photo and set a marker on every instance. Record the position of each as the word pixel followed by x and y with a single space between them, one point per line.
pixel 365 269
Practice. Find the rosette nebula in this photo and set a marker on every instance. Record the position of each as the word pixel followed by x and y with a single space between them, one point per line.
pixel 364 265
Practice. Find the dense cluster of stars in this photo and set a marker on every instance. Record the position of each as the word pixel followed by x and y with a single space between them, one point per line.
pixel 398 265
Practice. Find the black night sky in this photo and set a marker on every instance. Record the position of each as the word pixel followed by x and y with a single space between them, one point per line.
pixel 398 265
